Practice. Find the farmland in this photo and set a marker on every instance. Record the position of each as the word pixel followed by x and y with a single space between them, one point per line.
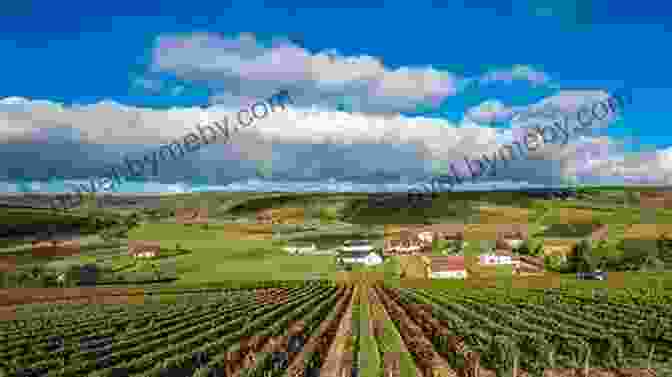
pixel 293 328
pixel 237 304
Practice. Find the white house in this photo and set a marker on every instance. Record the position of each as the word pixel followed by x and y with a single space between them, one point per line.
pixel 297 249
pixel 359 252
pixel 488 259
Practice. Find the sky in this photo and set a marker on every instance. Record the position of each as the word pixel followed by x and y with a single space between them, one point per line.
pixel 383 95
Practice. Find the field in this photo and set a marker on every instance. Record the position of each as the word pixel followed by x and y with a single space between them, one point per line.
pixel 225 299
pixel 364 327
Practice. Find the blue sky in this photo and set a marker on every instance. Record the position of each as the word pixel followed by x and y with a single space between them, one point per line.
pixel 116 59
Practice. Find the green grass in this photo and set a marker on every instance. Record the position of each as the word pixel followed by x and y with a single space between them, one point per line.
pixel 328 241
pixel 567 230
pixel 391 341
pixel 369 357
pixel 213 257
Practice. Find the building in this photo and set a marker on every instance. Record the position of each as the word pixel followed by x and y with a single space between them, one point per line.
pixel 369 259
pixel 655 199
pixel 144 249
pixel 407 242
pixel 300 249
pixel 54 248
pixel 360 251
pixel 445 267
pixel 427 237
pixel 524 264
pixel 265 216
pixel 495 259
pixel 448 232
pixel 281 216
pixel 600 233
pixel 189 216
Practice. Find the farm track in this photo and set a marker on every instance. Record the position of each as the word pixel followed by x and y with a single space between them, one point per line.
pixel 421 315
pixel 256 345
pixel 154 338
pixel 297 366
pixel 471 313
pixel 228 335
pixel 379 315
pixel 88 295
pixel 241 333
pixel 177 318
pixel 340 357
pixel 430 362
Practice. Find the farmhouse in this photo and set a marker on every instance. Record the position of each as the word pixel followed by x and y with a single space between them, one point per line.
pixel 300 249
pixel 144 249
pixel 655 199
pixel 427 237
pixel 445 267
pixel 188 216
pixel 492 259
pixel 360 251
pixel 449 232
pixel 600 233
pixel 265 217
pixel 55 248
pixel 407 242
pixel 281 216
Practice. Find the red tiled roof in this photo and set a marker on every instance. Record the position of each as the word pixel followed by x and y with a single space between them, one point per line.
pixel 135 247
pixel 447 263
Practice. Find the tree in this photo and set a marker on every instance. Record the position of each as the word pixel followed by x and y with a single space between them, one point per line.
pixel 157 272
pixel 524 248
pixel 132 220
pixel 37 271
pixel 581 259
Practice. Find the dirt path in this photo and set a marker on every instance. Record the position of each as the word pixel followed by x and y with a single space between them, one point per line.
pixel 297 366
pixel 21 296
pixel 599 372
pixel 391 363
pixel 422 316
pixel 255 346
pixel 430 361
pixel 340 357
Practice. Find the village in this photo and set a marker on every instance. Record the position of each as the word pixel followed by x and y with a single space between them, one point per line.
pixel 313 239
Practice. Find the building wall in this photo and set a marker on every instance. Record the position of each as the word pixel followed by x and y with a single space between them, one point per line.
pixel 458 274
pixel 495 259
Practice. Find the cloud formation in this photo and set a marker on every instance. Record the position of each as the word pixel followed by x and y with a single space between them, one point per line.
pixel 298 140
pixel 243 67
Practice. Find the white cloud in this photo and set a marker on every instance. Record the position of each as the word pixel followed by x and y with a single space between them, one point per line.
pixel 517 73
pixel 244 67
pixel 435 139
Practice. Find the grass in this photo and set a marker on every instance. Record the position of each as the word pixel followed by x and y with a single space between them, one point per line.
pixel 215 256
pixel 391 341
pixel 567 230
pixel 328 241
pixel 369 356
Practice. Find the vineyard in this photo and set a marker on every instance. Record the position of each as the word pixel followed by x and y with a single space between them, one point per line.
pixel 318 328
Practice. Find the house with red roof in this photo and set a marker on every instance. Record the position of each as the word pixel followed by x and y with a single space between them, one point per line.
pixel 445 267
